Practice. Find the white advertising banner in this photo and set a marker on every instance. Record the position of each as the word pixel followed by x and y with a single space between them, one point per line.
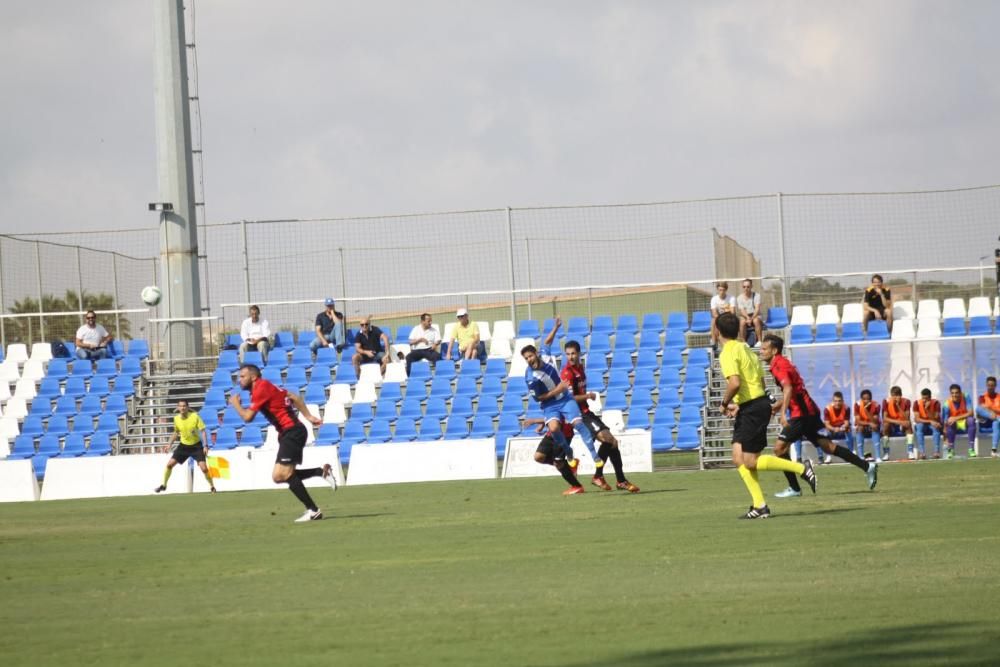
pixel 422 461
pixel 636 448
pixel 17 481
pixel 106 476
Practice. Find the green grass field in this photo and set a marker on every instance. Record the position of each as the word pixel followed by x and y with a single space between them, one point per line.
pixel 508 572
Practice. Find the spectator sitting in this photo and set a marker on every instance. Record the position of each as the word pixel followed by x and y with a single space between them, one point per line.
pixel 424 342
pixel 722 302
pixel 896 418
pixel 867 424
pixel 988 411
pixel 927 419
pixel 837 420
pixel 372 346
pixel 92 339
pixel 877 303
pixel 467 335
pixel 255 332
pixel 329 329
pixel 957 416
pixel 748 310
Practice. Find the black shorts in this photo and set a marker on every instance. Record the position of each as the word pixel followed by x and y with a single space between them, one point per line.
pixel 750 429
pixel 594 423
pixel 183 452
pixel 809 428
pixel 290 444
pixel 549 449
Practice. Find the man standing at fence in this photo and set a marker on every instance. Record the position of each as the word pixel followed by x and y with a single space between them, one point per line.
pixel 329 328
pixel 256 334
pixel 189 427
pixel 957 416
pixel 746 401
pixel 281 409
pixel 803 417
pixel 988 412
pixel 92 339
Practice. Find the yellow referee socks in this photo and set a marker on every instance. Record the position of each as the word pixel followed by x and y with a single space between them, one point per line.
pixel 769 462
pixel 753 485
pixel 166 475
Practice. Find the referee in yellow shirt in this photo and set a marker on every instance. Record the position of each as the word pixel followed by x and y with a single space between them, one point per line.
pixel 746 400
pixel 189 427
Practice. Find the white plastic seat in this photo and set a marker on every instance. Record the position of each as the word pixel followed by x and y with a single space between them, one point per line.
pixel 9 428
pixel 903 310
pixel 484 331
pixel 504 329
pixel 396 348
pixel 979 306
pixel 827 314
pixel 614 419
pixel 34 370
pixel 41 352
pixel 517 367
pixel 9 372
pixel 334 413
pixel 16 408
pixel 310 429
pixel 4 392
pixel 928 309
pixel 449 331
pixel 395 372
pixel 926 328
pixel 341 393
pixel 902 329
pixel 25 389
pixel 802 315
pixel 595 404
pixel 364 392
pixel 271 437
pixel 996 307
pixel 520 344
pixel 953 308
pixel 853 313
pixel 17 353
pixel 370 374
pixel 500 349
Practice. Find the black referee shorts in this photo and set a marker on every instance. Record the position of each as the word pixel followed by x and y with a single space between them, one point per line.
pixel 183 452
pixel 750 429
pixel 809 428
pixel 290 445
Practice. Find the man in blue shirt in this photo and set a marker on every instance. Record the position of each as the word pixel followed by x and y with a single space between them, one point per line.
pixel 556 402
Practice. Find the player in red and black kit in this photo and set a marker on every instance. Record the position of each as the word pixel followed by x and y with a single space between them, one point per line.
pixel 800 416
pixel 574 375
pixel 281 409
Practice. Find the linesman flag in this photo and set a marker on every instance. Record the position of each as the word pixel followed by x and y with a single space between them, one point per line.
pixel 217 467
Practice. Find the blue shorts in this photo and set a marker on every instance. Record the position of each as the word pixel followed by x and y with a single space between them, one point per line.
pixel 567 410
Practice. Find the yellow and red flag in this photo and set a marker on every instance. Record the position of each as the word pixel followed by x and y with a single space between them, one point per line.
pixel 217 467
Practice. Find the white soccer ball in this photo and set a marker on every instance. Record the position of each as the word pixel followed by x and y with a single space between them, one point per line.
pixel 151 295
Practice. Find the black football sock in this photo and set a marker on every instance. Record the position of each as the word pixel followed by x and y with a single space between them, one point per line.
pixel 616 462
pixel 602 453
pixel 306 473
pixel 296 486
pixel 568 475
pixel 793 480
pixel 850 457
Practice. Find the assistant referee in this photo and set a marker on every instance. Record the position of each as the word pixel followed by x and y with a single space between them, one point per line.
pixel 189 427
pixel 746 400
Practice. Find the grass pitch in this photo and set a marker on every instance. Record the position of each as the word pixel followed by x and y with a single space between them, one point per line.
pixel 508 572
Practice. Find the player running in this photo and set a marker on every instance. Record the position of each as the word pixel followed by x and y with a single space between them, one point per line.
pixel 574 374
pixel 189 427
pixel 281 408
pixel 803 420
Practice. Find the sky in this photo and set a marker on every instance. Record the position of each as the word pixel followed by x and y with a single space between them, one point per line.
pixel 330 109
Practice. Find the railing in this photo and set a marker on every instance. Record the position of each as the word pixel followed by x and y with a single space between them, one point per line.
pixel 61 326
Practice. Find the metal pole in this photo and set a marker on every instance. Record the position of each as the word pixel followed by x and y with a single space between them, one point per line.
pixel 343 283
pixel 982 291
pixel 510 269
pixel 590 304
pixel 115 303
pixel 3 331
pixel 781 248
pixel 38 276
pixel 79 283
pixel 915 298
pixel 246 261
pixel 527 273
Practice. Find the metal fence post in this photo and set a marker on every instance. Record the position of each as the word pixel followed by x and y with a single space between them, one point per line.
pixel 114 299
pixel 527 272
pixel 246 260
pixel 781 247
pixel 510 269
pixel 38 275
pixel 590 304
pixel 914 297
pixel 3 331
pixel 79 283
pixel 343 283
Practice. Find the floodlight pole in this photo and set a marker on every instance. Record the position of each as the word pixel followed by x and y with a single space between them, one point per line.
pixel 179 274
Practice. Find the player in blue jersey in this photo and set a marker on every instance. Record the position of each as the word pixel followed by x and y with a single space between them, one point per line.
pixel 556 402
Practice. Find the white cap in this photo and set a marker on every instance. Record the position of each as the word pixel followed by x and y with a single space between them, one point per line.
pixel 462 312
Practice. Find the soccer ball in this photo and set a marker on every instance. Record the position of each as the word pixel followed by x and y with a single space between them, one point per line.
pixel 151 295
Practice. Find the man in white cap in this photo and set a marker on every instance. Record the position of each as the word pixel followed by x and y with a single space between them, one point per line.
pixel 329 328
pixel 467 335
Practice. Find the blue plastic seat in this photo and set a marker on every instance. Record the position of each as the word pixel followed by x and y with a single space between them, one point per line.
pixel 690 414
pixel 380 431
pixel 677 321
pixel 107 423
pixel 698 356
pixel 664 415
pixel 491 388
pixel 440 386
pixel 406 430
pixel 99 386
pixel 38 463
pixel 462 406
pixel 444 369
pixel 675 340
pixel 953 326
pixel 403 332
pixel 411 407
pixel 115 404
pixel 315 393
pixel 393 390
pixel 253 357
pixel 91 405
pixel 328 434
pixel 669 398
pixel 215 399
pixel 701 322
pixel 58 368
pixel 621 360
pixel 600 343
pixel 100 445
pixel 649 340
pixel 672 358
pixel 692 394
pixel 578 328
pixel 284 339
pixel 641 401
pixel 138 348
pixel 385 408
pixel 470 368
pixel 48 445
pixel 602 324
pixel 252 436
pixel 878 330
pixel 467 386
pixel 74 446
pixel 639 419
pixel 420 371
pixel 645 379
pixel 363 412
pixel 328 356
pixel 301 356
pixel 495 367
pixel 653 322
pixel 688 437
pixel 662 437
pixel 487 405
pixel 225 438
pixel 278 358
pixel 624 343
pixel 628 325
pixel 670 377
pixel 826 333
pixel 41 406
pixel 221 379
pixel 528 329
pixel 851 332
pixel 106 368
pixel 980 326
pixel 346 375
pixel 295 378
pixel 33 425
pixel 272 375
pixel 615 400
pixel 81 369
pixel 435 409
pixel 619 379
pixel 58 425
pixel 482 426
pixel 512 404
pixel 777 318
pixel 24 447
pixel 647 359
pixel 801 334
pixel 456 428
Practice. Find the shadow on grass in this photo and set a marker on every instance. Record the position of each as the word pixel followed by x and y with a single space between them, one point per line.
pixel 952 644
pixel 827 510
pixel 360 516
